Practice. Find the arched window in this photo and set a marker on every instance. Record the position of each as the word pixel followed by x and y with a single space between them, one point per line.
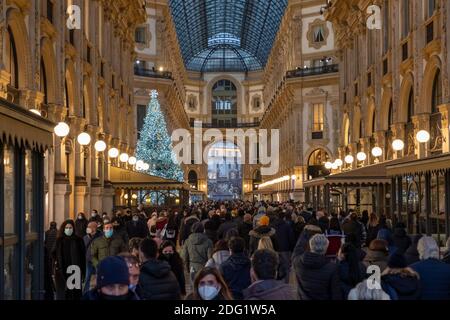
pixel 193 179
pixel 436 97
pixel 346 132
pixel 12 65
pixel 44 81
pixel 316 163
pixel 411 111
pixel 224 104
pixel 390 116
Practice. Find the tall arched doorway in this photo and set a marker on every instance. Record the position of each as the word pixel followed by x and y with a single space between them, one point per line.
pixel 224 171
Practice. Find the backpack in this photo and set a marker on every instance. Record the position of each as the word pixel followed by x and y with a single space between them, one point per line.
pixel 335 243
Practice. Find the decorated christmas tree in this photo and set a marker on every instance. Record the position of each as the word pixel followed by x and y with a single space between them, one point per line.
pixel 155 146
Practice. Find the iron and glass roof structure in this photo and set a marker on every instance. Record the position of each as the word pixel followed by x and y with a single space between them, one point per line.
pixel 226 35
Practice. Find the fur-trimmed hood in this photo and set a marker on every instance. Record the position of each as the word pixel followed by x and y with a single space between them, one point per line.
pixel 262 231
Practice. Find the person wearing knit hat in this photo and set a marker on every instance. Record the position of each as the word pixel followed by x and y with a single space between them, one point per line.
pixel 112 281
pixel 264 221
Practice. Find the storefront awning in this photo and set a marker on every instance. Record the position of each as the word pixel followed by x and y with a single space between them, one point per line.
pixel 21 127
pixel 416 166
pixel 127 179
pixel 364 176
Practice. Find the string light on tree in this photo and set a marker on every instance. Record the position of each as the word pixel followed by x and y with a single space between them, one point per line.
pixel 155 145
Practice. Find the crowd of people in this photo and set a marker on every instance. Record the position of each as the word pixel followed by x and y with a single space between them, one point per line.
pixel 243 251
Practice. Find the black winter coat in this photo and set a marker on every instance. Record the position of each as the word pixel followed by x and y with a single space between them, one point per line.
pixel 401 240
pixel 80 227
pixel 70 251
pixel 224 228
pixel 284 235
pixel 372 232
pixel 347 283
pixel 405 286
pixel 317 277
pixel 244 229
pixel 236 272
pixel 136 229
pixel 157 281
pixel 177 266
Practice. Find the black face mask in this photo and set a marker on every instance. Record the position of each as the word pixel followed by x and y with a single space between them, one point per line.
pixel 168 256
pixel 116 298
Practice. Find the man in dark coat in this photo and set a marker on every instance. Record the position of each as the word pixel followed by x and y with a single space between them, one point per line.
pixel 92 233
pixel 136 228
pixel 50 238
pixel 286 242
pixel 236 269
pixel 400 237
pixel 226 226
pixel 112 281
pixel 244 229
pixel 264 266
pixel 355 228
pixel 317 277
pixel 156 280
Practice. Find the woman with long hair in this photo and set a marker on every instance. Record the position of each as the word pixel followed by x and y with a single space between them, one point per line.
pixel 70 251
pixel 351 270
pixel 167 252
pixel 209 285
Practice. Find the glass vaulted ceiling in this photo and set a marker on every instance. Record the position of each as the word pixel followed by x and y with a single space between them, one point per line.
pixel 226 35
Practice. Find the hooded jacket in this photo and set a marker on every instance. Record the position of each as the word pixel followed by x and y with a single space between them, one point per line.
pixel 218 258
pixel 186 226
pixel 196 251
pixel 157 281
pixel 402 285
pixel 317 277
pixel 269 290
pixel 236 272
pixel 258 233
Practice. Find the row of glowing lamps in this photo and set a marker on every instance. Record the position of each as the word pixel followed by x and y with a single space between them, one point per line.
pixel 84 139
pixel 422 136
pixel 278 180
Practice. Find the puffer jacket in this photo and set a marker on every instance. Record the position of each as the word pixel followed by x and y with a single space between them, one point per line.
pixel 196 251
pixel 402 285
pixel 260 232
pixel 157 281
pixel 236 272
pixel 218 258
pixel 103 247
pixel 269 290
pixel 317 277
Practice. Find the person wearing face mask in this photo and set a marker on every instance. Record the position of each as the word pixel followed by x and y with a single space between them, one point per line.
pixel 80 225
pixel 95 217
pixel 112 281
pixel 156 280
pixel 107 245
pixel 136 228
pixel 70 250
pixel 168 253
pixel 209 285
pixel 92 233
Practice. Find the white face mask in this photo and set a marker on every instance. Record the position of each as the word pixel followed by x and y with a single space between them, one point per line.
pixel 68 231
pixel 88 230
pixel 208 292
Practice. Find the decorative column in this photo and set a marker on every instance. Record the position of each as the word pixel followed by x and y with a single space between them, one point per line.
pixel 398 131
pixel 365 147
pixel 380 137
pixel 353 150
pixel 108 190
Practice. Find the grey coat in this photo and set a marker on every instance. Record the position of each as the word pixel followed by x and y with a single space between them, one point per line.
pixel 197 249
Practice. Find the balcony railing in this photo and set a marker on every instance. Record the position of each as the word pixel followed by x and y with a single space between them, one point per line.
pixel 312 71
pixel 228 125
pixel 153 73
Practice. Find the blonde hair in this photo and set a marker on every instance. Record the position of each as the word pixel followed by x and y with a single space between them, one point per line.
pixel 265 243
